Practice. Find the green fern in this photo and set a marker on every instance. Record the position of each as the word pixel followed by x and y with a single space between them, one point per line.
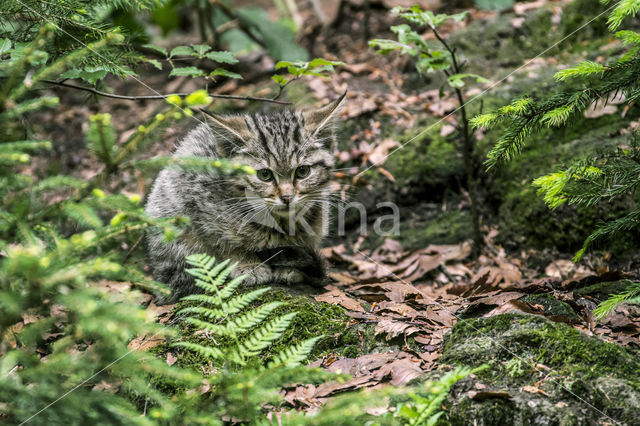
pixel 216 313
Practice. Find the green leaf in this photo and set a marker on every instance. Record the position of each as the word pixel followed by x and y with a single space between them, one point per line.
pixel 181 51
pixel 385 47
pixel 186 72
pixel 200 49
pixel 222 57
pixel 320 62
pixel 224 73
pixel 154 62
pixel 5 45
pixel 457 80
pixel 281 80
pixel 89 74
pixel 159 49
pixel 285 64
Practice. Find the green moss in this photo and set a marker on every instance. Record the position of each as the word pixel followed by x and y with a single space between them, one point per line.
pixel 552 306
pixel 515 368
pixel 602 291
pixel 446 228
pixel 528 350
pixel 430 160
pixel 312 319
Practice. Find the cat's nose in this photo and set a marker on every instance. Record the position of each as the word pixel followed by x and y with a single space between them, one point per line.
pixel 286 198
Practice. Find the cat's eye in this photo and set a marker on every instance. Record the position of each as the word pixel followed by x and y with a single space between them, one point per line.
pixel 302 172
pixel 264 175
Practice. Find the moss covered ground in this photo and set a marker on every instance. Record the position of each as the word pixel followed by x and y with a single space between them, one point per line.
pixel 552 373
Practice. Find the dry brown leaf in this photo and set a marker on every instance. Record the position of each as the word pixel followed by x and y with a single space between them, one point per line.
pixel 389 252
pixel 378 156
pixel 386 173
pixel 533 389
pixel 337 297
pixel 510 306
pixel 405 370
pixel 394 328
pixel 162 313
pixel 142 343
pixel 560 268
pixel 171 358
pixel 342 277
pixel 497 299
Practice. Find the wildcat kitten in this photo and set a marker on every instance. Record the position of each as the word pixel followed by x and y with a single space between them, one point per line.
pixel 270 222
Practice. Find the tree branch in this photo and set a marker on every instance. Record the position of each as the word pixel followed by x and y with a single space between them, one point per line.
pixel 153 97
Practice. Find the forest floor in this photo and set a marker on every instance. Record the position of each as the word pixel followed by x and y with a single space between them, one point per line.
pixel 418 302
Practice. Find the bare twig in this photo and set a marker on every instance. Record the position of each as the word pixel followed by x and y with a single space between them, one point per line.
pixel 232 16
pixel 154 97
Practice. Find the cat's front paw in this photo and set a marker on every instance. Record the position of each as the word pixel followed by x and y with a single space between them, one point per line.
pixel 288 275
pixel 255 274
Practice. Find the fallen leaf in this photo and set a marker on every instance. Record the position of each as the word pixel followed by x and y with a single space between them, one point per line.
pixel 533 389
pixel 142 343
pixel 337 297
pixel 394 329
pixel 171 358
pixel 378 156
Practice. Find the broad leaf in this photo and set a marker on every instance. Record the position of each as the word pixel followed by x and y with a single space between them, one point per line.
pixel 186 72
pixel 222 57
pixel 225 73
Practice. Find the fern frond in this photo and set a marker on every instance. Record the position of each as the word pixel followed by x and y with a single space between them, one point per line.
pixel 205 351
pixel 239 325
pixel 294 355
pixel 238 303
pixel 265 335
pixel 210 313
pixel 251 319
pixel 232 286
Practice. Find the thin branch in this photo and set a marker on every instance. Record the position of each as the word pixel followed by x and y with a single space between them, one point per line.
pixel 153 97
pixel 232 16
pixel 282 87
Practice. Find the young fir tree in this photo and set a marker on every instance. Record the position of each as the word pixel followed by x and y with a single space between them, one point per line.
pixel 586 181
pixel 441 57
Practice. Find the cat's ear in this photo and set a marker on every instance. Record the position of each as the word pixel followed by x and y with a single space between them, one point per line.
pixel 315 120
